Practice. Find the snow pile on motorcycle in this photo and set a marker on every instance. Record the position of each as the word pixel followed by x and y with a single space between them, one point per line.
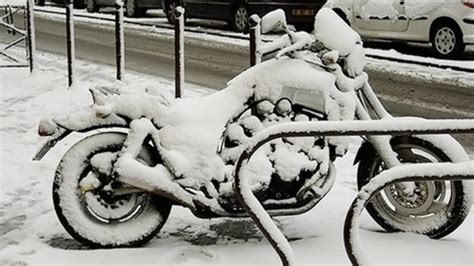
pixel 170 150
pixel 116 189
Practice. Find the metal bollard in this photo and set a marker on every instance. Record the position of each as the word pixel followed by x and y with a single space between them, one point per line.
pixel 179 50
pixel 71 50
pixel 9 19
pixel 30 36
pixel 119 40
pixel 255 39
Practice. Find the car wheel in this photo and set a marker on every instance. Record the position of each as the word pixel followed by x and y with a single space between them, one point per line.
pixel 39 2
pixel 131 9
pixel 91 6
pixel 240 18
pixel 169 8
pixel 446 40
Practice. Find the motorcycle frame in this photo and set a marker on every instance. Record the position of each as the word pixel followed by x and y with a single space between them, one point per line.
pixel 368 107
pixel 199 205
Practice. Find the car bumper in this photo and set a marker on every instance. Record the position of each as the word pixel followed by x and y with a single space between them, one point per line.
pixel 469 39
pixel 295 12
pixel 467 28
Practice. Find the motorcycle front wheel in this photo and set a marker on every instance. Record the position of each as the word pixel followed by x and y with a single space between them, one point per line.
pixel 434 209
pixel 98 218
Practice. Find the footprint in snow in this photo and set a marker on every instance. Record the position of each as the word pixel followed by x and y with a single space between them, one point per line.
pixel 11 224
pixel 195 256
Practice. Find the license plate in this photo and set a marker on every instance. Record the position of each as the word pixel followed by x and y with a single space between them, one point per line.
pixel 302 12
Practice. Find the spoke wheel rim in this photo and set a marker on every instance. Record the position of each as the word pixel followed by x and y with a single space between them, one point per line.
pixel 402 209
pixel 90 5
pixel 241 18
pixel 111 212
pixel 445 40
pixel 170 12
pixel 416 204
pixel 111 209
pixel 130 8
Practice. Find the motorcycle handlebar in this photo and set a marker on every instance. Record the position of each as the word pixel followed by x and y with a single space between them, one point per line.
pixel 291 42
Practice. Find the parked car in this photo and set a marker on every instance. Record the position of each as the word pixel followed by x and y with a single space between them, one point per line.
pixel 76 3
pixel 133 8
pixel 447 24
pixel 236 12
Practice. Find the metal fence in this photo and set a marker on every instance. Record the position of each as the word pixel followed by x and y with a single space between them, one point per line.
pixel 338 128
pixel 23 35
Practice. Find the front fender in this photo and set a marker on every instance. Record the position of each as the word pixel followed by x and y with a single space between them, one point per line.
pixel 446 143
pixel 364 150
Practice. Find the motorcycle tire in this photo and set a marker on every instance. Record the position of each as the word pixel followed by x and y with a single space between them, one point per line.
pixel 438 208
pixel 102 221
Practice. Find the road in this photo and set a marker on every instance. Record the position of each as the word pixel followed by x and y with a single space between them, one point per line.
pixel 212 64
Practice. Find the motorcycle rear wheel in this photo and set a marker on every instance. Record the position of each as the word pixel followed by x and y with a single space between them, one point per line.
pixel 98 220
pixel 436 209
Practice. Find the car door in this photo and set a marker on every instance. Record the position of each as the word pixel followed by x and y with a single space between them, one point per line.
pixel 195 8
pixel 218 9
pixel 147 3
pixel 380 15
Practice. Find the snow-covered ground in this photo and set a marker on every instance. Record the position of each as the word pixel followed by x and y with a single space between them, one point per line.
pixel 31 234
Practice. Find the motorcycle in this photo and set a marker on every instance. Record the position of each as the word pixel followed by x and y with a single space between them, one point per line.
pixel 115 188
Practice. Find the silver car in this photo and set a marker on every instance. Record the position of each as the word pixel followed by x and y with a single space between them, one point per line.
pixel 447 24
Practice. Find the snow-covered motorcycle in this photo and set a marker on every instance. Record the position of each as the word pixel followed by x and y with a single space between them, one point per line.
pixel 115 188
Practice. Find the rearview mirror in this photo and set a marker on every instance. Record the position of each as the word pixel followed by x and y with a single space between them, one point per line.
pixel 274 21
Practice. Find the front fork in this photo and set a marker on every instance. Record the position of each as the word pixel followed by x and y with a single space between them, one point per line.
pixel 366 102
pixel 367 106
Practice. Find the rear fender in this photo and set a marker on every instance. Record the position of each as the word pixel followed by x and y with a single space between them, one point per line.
pixel 62 134
pixel 99 115
pixel 50 143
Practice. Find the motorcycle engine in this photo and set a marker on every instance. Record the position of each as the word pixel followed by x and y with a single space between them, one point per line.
pixel 282 168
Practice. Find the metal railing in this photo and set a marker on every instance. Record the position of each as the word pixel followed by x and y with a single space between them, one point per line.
pixel 396 127
pixel 431 172
pixel 26 35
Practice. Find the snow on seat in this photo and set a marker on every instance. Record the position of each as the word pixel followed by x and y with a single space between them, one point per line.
pixel 191 133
